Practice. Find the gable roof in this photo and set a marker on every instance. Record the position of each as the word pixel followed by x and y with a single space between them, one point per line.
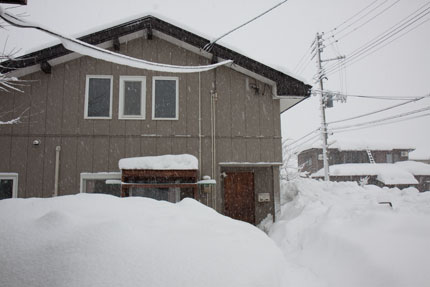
pixel 286 85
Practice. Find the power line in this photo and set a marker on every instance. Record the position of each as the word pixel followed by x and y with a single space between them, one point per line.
pixel 336 94
pixel 209 46
pixel 353 16
pixel 383 119
pixel 381 124
pixel 379 48
pixel 303 137
pixel 378 111
pixel 369 20
pixel 384 36
pixel 365 15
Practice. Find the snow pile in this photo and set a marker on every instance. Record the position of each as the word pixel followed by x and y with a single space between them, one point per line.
pixel 387 173
pixel 100 240
pixel 342 236
pixel 162 162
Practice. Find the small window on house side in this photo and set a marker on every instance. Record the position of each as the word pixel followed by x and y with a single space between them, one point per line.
pixel 165 98
pixel 132 95
pixel 404 154
pixel 98 97
pixel 101 183
pixel 8 185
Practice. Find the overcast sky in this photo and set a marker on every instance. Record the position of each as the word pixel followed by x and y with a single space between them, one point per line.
pixel 281 38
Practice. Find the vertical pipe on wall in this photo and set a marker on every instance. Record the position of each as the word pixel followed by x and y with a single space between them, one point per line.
pixel 200 126
pixel 57 169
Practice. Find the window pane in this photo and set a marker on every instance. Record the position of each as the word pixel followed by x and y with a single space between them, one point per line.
pixel 132 98
pixel 100 186
pixel 154 193
pixel 99 97
pixel 6 186
pixel 165 99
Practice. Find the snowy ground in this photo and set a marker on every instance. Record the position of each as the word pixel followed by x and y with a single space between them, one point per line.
pixel 100 240
pixel 340 235
pixel 331 234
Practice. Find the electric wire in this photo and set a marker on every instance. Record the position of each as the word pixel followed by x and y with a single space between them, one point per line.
pixel 379 48
pixel 209 46
pixel 383 119
pixel 384 36
pixel 353 16
pixel 365 15
pixel 381 124
pixel 328 92
pixel 379 111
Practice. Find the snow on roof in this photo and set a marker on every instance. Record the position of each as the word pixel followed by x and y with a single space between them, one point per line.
pixel 415 167
pixel 420 154
pixel 357 145
pixel 162 162
pixel 169 20
pixel 386 173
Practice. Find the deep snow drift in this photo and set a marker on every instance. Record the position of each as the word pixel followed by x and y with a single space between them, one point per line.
pixel 342 236
pixel 100 240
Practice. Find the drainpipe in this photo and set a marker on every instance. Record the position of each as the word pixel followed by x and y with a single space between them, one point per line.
pixel 200 125
pixel 57 169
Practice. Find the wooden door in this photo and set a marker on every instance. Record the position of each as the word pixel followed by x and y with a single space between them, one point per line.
pixel 239 200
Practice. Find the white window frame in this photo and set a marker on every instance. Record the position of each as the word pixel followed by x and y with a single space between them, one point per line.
pixel 14 177
pixel 177 97
pixel 87 86
pixel 96 175
pixel 121 115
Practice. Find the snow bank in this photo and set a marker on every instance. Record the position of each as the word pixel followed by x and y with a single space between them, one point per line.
pixel 162 162
pixel 100 240
pixel 341 236
pixel 387 173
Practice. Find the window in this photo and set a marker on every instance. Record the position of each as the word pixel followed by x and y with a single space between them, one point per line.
pixel 404 153
pixel 132 95
pixel 165 98
pixel 320 156
pixel 103 182
pixel 8 185
pixel 98 97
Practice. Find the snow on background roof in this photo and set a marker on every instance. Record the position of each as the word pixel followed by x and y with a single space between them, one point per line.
pixel 101 240
pixel 422 154
pixel 385 172
pixel 343 144
pixel 414 167
pixel 162 162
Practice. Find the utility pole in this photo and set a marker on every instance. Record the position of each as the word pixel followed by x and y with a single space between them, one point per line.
pixel 325 102
pixel 319 48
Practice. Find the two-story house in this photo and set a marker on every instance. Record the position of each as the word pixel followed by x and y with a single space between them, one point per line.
pixel 343 151
pixel 81 116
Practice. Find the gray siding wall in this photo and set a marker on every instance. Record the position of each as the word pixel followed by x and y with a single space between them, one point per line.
pixel 247 123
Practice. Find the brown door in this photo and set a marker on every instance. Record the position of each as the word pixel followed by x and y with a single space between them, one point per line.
pixel 239 196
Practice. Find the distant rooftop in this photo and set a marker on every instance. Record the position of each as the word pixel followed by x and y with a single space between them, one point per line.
pixel 358 145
